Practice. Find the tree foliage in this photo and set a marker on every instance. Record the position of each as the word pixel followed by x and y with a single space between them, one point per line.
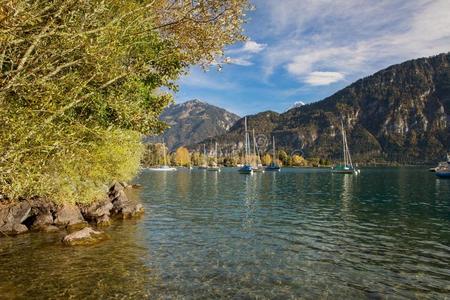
pixel 182 157
pixel 80 83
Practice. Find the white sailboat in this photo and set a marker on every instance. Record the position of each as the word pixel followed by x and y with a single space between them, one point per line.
pixel 246 168
pixel 164 167
pixel 214 166
pixel 257 167
pixel 347 166
pixel 273 165
pixel 204 164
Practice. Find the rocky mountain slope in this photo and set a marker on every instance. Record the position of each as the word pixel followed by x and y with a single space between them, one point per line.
pixel 401 114
pixel 193 121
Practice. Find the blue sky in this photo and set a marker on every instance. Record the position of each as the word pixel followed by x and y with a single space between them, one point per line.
pixel 305 50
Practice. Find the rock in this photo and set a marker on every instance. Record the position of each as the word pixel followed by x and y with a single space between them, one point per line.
pixel 40 215
pixel 136 186
pixel 68 215
pixel 132 210
pixel 125 208
pixel 12 216
pixel 19 228
pixel 124 184
pixel 49 228
pixel 103 221
pixel 115 189
pixel 86 236
pixel 41 221
pixel 97 212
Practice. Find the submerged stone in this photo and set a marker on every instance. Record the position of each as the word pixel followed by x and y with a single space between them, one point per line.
pixel 85 236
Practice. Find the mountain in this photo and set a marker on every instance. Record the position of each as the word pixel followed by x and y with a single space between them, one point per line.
pixel 400 114
pixel 297 104
pixel 193 121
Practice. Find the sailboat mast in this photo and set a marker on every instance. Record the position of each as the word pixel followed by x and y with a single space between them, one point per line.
pixel 246 141
pixel 343 143
pixel 164 153
pixel 349 158
pixel 273 154
pixel 215 151
pixel 254 147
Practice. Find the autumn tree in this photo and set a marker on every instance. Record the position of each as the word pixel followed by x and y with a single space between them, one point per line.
pixel 182 157
pixel 266 159
pixel 298 161
pixel 80 84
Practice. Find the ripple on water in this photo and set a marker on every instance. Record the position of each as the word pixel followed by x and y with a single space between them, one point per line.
pixel 294 234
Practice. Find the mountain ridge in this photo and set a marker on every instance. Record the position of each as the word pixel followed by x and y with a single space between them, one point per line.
pixel 400 113
pixel 193 121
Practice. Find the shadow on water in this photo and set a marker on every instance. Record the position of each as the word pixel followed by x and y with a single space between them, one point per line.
pixel 298 233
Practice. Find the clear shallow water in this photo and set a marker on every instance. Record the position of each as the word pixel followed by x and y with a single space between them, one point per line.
pixel 301 233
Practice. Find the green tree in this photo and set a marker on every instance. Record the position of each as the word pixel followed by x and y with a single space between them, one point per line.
pixel 284 158
pixel 80 84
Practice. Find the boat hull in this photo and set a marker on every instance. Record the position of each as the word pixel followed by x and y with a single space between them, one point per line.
pixel 445 175
pixel 344 170
pixel 246 170
pixel 161 169
pixel 273 167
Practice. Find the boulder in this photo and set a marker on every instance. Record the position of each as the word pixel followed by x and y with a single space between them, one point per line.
pixel 42 214
pixel 115 189
pixel 125 208
pixel 18 229
pixel 103 221
pixel 41 221
pixel 12 216
pixel 68 215
pixel 97 212
pixel 85 236
pixel 49 228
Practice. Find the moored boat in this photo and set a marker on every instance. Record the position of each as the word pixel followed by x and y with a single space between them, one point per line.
pixel 246 168
pixel 273 166
pixel 347 166
pixel 204 164
pixel 257 165
pixel 214 166
pixel 443 169
pixel 165 167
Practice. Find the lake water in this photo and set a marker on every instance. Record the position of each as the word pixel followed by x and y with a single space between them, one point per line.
pixel 300 233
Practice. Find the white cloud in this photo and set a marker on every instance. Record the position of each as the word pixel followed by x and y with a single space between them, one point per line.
pixel 243 56
pixel 323 78
pixel 253 47
pixel 249 47
pixel 240 61
pixel 315 38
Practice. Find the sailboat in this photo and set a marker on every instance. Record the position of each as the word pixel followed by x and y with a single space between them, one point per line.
pixel 443 170
pixel 257 163
pixel 273 165
pixel 164 167
pixel 246 168
pixel 347 167
pixel 214 166
pixel 204 164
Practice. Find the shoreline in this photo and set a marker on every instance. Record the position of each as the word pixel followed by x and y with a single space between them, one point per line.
pixel 79 220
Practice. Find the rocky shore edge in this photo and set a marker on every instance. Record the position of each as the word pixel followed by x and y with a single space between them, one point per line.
pixel 42 215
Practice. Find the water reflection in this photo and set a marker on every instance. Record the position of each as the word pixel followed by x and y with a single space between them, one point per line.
pixel 294 234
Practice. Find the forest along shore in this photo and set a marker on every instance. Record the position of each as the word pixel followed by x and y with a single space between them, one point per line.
pixel 18 217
